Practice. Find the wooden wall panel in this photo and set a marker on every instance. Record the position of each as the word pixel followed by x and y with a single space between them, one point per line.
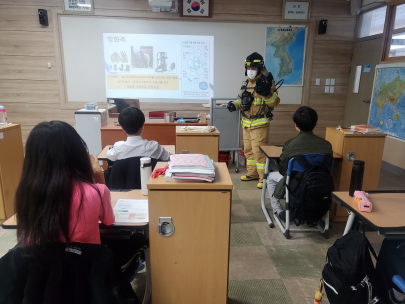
pixel 14 43
pixel 21 3
pixel 23 19
pixel 29 91
pixel 29 68
pixel 32 93
pixel 339 29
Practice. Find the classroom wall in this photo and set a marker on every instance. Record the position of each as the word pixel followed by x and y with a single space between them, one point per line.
pixel 33 93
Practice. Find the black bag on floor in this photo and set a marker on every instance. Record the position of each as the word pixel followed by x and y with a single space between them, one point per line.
pixel 312 197
pixel 349 275
pixel 391 262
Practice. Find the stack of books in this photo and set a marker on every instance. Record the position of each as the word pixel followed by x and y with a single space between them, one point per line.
pixel 193 167
pixel 366 129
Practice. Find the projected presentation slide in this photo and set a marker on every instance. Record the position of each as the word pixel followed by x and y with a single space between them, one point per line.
pixel 158 66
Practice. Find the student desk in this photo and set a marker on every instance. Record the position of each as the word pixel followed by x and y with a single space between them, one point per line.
pixel 195 142
pixel 274 152
pixel 11 223
pixel 191 265
pixel 387 216
pixel 366 147
pixel 162 132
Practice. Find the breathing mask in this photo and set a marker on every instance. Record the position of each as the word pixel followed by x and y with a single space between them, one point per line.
pixel 246 100
pixel 251 74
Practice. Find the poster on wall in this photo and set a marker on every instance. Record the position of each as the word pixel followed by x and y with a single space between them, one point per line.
pixel 285 53
pixel 387 106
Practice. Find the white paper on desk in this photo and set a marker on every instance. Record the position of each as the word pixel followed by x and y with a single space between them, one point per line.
pixel 131 211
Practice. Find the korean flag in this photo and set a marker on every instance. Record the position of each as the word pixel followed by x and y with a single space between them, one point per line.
pixel 196 8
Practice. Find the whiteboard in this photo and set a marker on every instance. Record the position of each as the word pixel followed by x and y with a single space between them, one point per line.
pixel 82 44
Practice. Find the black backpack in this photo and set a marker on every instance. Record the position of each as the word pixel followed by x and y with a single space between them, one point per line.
pixel 312 197
pixel 349 276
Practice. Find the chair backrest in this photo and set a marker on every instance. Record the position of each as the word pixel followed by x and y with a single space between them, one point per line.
pixel 125 173
pixel 160 114
pixel 60 273
pixel 314 159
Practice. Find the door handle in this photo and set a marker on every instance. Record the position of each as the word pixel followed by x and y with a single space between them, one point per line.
pixel 165 226
pixel 351 156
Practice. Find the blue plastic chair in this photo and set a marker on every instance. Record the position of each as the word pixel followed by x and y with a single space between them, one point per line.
pixel 314 159
pixel 399 281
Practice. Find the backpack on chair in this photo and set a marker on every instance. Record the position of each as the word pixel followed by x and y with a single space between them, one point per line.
pixel 312 197
pixel 349 275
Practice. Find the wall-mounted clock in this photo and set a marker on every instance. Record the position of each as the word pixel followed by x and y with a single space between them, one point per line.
pixel 196 8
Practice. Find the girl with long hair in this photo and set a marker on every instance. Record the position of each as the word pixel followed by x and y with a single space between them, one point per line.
pixel 58 199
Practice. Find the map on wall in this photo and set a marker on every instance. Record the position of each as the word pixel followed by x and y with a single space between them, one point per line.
pixel 387 107
pixel 285 51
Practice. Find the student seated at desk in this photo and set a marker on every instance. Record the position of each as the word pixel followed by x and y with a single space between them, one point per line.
pixel 58 199
pixel 305 119
pixel 132 122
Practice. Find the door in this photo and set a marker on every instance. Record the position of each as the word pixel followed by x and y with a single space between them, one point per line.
pixel 358 104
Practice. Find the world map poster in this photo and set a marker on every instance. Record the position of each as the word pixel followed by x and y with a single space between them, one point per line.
pixel 387 107
pixel 285 51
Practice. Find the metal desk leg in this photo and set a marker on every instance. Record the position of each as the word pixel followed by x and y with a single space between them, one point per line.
pixel 349 223
pixel 237 161
pixel 263 200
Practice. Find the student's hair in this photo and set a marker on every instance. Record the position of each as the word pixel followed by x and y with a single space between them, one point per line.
pixel 131 120
pixel 55 158
pixel 305 118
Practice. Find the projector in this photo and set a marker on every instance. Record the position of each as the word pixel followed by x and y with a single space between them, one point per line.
pixel 163 5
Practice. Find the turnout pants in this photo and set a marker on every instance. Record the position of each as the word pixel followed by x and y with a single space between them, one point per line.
pixel 255 160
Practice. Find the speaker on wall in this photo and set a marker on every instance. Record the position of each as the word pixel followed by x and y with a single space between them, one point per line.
pixel 43 17
pixel 322 27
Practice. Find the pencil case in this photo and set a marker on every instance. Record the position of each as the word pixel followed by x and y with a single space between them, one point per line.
pixel 362 201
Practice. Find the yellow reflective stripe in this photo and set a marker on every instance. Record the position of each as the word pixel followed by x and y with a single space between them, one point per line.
pixel 271 99
pixel 251 123
pixel 251 162
pixel 238 102
pixel 260 166
pixel 257 60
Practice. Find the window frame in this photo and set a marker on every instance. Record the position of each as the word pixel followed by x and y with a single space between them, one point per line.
pixel 389 31
pixel 357 29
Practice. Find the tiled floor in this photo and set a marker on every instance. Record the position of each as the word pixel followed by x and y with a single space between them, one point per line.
pixel 264 266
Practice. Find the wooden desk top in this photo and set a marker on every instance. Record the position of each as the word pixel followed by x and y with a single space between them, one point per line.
pixel 103 154
pixel 112 127
pixel 11 223
pixel 356 134
pixel 10 126
pixel 387 213
pixel 196 133
pixel 222 181
pixel 275 151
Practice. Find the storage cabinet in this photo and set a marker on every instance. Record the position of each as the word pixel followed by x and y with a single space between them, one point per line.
pixel 191 265
pixel 198 143
pixel 11 162
pixel 366 147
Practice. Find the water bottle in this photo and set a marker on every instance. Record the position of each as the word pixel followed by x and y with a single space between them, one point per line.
pixel 356 181
pixel 3 117
pixel 146 172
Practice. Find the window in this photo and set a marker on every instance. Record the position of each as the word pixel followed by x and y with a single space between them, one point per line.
pixel 394 37
pixel 372 22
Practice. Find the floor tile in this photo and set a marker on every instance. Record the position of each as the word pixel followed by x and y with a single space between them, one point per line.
pixel 2 231
pixel 251 262
pixel 302 291
pixel 8 240
pixel 297 260
pixel 258 292
pixel 250 196
pixel 244 185
pixel 239 214
pixel 255 212
pixel 244 234
pixel 235 198
pixel 274 236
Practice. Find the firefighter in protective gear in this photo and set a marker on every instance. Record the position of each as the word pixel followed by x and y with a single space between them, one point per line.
pixel 256 100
